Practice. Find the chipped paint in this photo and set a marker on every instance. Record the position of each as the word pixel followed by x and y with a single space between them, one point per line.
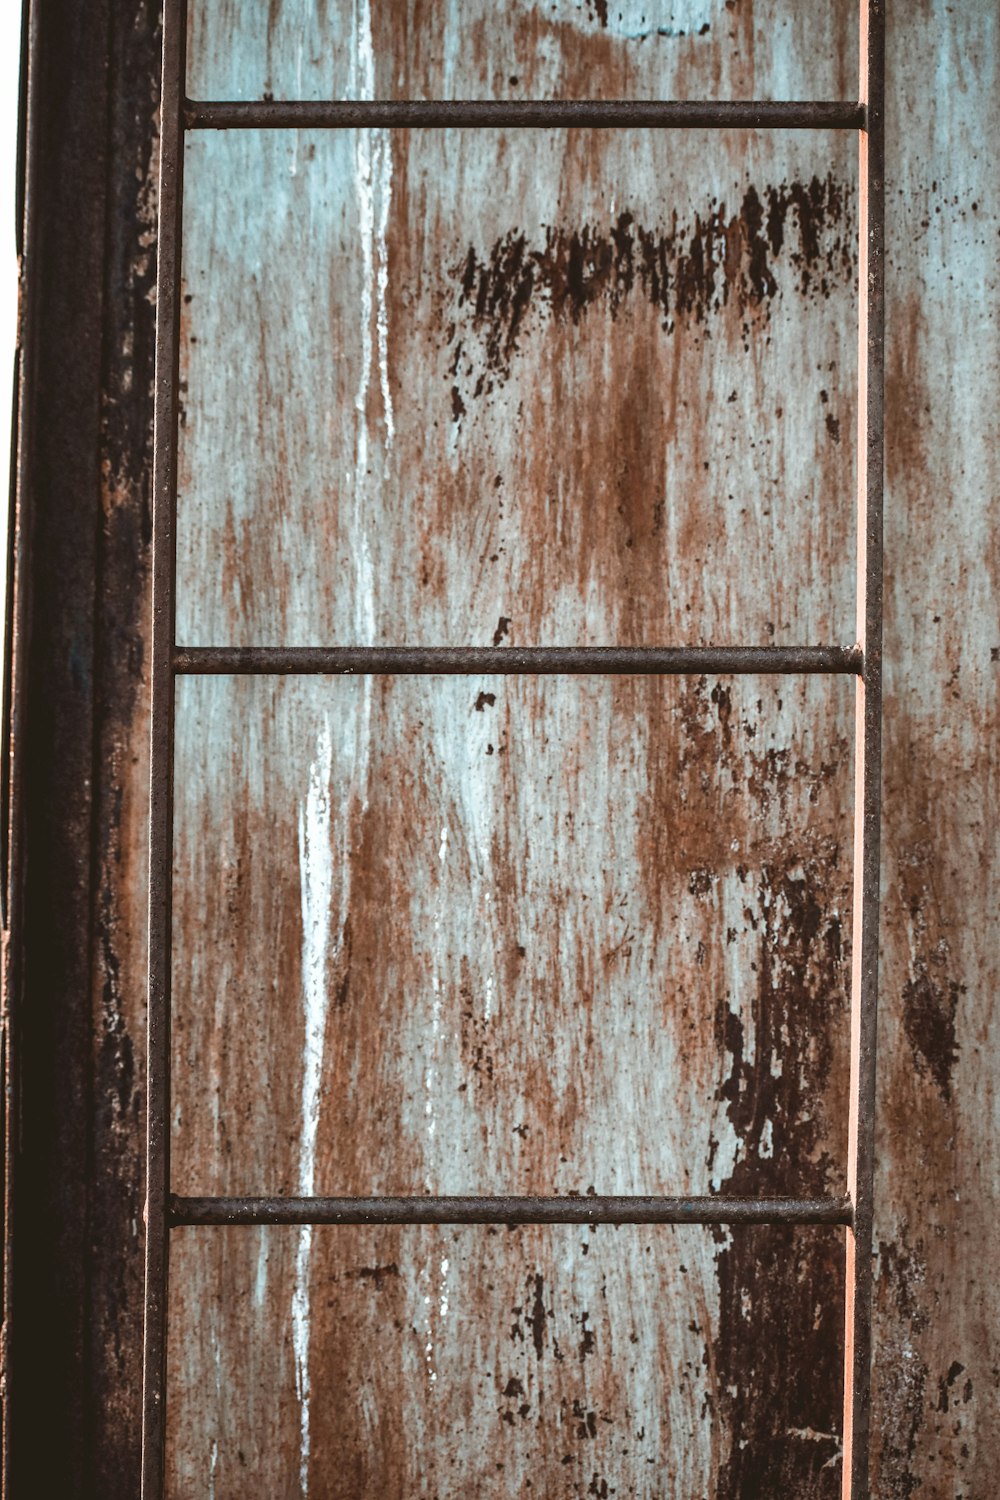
pixel 547 1345
pixel 593 812
pixel 512 513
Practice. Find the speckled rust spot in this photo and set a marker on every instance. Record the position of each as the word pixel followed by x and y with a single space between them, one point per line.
pixel 800 231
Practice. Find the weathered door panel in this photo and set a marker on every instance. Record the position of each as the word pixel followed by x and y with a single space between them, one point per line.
pixel 494 935
pixel 502 935
pixel 765 1305
pixel 560 1361
pixel 538 387
pixel 474 49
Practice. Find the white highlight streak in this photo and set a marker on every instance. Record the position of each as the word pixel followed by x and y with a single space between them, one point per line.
pixel 316 884
pixel 373 178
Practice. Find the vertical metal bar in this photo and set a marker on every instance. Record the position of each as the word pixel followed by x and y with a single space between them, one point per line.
pixel 864 1008
pixel 162 749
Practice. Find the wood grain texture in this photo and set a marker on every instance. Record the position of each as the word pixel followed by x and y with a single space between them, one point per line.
pixel 475 935
pixel 550 387
pixel 512 934
pixel 595 402
pixel 938 1335
pixel 553 1361
pixel 532 936
pixel 458 49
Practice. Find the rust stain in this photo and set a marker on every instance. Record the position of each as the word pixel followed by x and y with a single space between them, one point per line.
pixel 929 1009
pixel 800 231
pixel 520 1061
pixel 783 1059
pixel 599 48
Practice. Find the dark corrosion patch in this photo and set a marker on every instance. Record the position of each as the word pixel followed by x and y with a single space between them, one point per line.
pixel 929 1008
pixel 798 237
pixel 779 1344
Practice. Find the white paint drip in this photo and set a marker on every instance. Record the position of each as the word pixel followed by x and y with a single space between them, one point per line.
pixel 217 1365
pixel 316 885
pixel 373 183
pixel 260 1278
pixel 293 164
pixel 373 186
pixel 443 1304
pixel 383 163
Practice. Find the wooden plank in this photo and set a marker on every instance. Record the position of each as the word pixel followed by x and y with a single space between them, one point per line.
pixel 489 1363
pixel 513 934
pixel 496 935
pixel 533 387
pixel 937 1420
pixel 455 49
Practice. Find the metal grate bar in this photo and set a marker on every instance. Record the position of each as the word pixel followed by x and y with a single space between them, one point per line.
pixel 694 114
pixel 506 1210
pixel 515 660
pixel 868 758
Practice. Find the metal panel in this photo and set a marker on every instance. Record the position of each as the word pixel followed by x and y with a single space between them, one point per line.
pixel 484 1362
pixel 571 280
pixel 487 935
pixel 936 1411
pixel 472 49
pixel 518 387
pixel 937 1348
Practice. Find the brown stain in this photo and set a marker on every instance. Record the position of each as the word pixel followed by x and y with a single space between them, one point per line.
pixel 110 1355
pixel 576 1425
pixel 929 1009
pixel 936 1305
pixel 902 1375
pixel 795 894
pixel 783 1381
pixel 687 272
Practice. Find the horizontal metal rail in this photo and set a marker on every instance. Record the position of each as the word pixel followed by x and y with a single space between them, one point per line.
pixel 415 114
pixel 506 1210
pixel 514 660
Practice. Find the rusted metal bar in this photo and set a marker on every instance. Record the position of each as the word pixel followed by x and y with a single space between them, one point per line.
pixel 507 1210
pixel 161 762
pixel 868 760
pixel 515 660
pixel 416 114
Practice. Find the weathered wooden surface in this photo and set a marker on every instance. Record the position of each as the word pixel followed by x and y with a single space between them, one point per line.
pixel 458 49
pixel 937 1388
pixel 490 935
pixel 485 1362
pixel 72 1352
pixel 486 935
pixel 770 1361
pixel 465 935
pixel 534 386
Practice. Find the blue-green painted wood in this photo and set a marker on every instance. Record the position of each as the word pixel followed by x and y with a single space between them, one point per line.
pixel 601 386
pixel 461 49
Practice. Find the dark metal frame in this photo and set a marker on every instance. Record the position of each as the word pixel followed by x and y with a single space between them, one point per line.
pixel 164 1211
pixel 71 1340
